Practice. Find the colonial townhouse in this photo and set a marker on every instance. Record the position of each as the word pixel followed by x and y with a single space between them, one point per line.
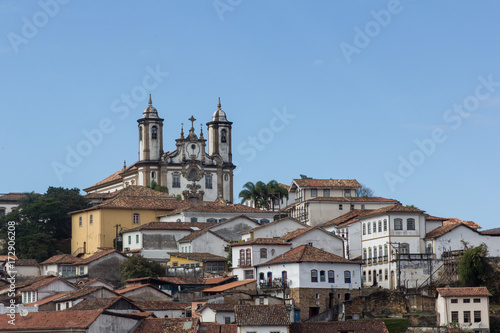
pixel 248 254
pixel 318 201
pixel 10 201
pixel 392 241
pixel 273 229
pixel 317 237
pixel 316 280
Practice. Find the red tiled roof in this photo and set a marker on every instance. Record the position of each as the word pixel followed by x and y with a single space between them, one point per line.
pixel 99 255
pixel 434 218
pixel 114 177
pixel 161 305
pixel 299 232
pixel 348 218
pixel 13 196
pixel 358 326
pixel 262 241
pixel 307 253
pixel 26 262
pixel 46 320
pixel 261 315
pixel 448 226
pixel 99 303
pixel 218 328
pixel 228 286
pixel 61 259
pixel 181 281
pixel 47 299
pixel 131 288
pixel 170 325
pixel 44 282
pixel 84 291
pixel 173 226
pixel 397 208
pixel 216 207
pixel 340 183
pixel 470 224
pixel 276 222
pixel 199 256
pixel 6 258
pixel 463 291
pixel 353 199
pixel 218 307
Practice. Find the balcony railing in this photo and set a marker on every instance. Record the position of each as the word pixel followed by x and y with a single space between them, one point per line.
pixel 276 283
pixel 244 262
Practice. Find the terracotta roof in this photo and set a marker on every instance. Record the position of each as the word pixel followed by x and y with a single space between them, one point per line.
pixel 46 320
pixel 44 282
pixel 34 280
pixel 358 326
pixel 275 222
pixel 262 241
pixel 172 226
pixel 218 328
pixel 100 195
pixel 463 291
pixel 82 292
pixel 131 288
pixel 348 218
pixel 286 187
pixel 261 315
pixel 434 218
pixel 199 256
pixel 114 177
pixel 218 307
pixel 228 286
pixel 98 303
pixel 447 227
pixel 299 232
pixel 168 325
pixel 216 207
pixel 6 257
pixel 14 196
pixel 48 299
pixel 470 224
pixel 86 282
pixel 61 259
pixel 99 255
pixel 161 305
pixel 182 280
pixel 26 262
pixel 397 208
pixel 307 253
pixel 340 183
pixel 353 199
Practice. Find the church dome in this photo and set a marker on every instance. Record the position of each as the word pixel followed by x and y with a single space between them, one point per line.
pixel 219 115
pixel 150 111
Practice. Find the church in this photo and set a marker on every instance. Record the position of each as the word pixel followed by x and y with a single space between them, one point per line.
pixel 189 171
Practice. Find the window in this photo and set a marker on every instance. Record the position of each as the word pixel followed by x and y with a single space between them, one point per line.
pixel 212 220
pixel 386 274
pixel 223 135
pixel 369 253
pixel 82 270
pixel 175 264
pixel 242 257
pixel 310 243
pixel 454 300
pixel 326 192
pixel 466 316
pixel 154 133
pixel 477 300
pixel 379 226
pixel 369 276
pixel 405 248
pixel 364 276
pixel 194 219
pixel 375 252
pixel 364 253
pixel 340 206
pixel 322 276
pixel 380 252
pixel 385 225
pixel 352 207
pixel 137 239
pixel 314 192
pixel 263 253
pixel 80 221
pixel 135 218
pixel 129 240
pixel 140 133
pixel 261 276
pixel 398 224
pixel 2 212
pixel 410 224
pixel 331 277
pixel 454 316
pixel 176 181
pixel 466 300
pixel 347 193
pixel 369 227
pixel 314 275
pixel 385 251
pixel 364 229
pixel 249 274
pixel 264 221
pixel 91 219
pixel 208 181
pixel 284 276
pixel 347 276
pixel 477 316
pixel 227 320
pixel 374 227
pixel 249 257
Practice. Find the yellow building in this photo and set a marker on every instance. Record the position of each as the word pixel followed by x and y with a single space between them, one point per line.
pixel 96 227
pixel 210 263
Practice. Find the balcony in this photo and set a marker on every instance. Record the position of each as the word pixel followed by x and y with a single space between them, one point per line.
pixel 276 283
pixel 244 262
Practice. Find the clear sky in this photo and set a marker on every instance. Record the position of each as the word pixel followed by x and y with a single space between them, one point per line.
pixel 401 95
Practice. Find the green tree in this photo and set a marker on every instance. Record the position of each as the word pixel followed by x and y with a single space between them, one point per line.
pixel 262 194
pixel 304 177
pixel 154 186
pixel 42 221
pixel 473 267
pixel 364 191
pixel 137 266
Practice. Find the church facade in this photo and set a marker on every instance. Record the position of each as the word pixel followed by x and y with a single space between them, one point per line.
pixel 189 171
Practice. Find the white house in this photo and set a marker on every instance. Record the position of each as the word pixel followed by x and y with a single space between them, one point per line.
pixel 10 201
pixel 217 313
pixel 317 237
pixel 204 241
pixel 316 278
pixel 248 254
pixel 389 236
pixel 273 229
pixel 466 306
pixel 43 287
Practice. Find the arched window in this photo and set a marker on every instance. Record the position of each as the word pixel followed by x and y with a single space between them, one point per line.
pixel 154 132
pixel 347 276
pixel 375 252
pixel 242 258
pixel 380 254
pixel 263 253
pixel 386 252
pixel 284 275
pixel 369 227
pixel 261 277
pixel 223 136
pixel 269 279
pixel 322 276
pixel 314 275
pixel 208 181
pixel 398 224
pixel 369 276
pixel 386 274
pixel 140 133
pixel 364 253
pixel 364 229
pixel 369 253
pixel 385 225
pixel 410 224
pixel 249 257
pixel 374 227
pixel 331 277
pixel 379 226
pixel 404 248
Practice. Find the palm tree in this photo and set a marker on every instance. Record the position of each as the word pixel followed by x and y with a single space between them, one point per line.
pixel 262 194
pixel 275 190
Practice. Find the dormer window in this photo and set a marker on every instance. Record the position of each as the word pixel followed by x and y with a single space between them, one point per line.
pixel 223 136
pixel 154 132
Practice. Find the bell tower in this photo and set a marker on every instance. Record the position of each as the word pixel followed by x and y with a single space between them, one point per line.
pixel 219 136
pixel 150 134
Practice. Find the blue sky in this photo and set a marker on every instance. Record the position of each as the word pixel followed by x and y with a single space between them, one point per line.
pixel 401 95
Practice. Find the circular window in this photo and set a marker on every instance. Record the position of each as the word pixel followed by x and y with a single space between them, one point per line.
pixel 193 147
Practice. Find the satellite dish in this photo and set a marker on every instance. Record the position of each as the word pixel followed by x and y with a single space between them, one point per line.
pixel 23 312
